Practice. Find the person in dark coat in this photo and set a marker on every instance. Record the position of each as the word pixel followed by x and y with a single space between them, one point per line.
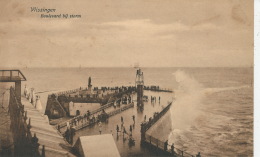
pixel 134 118
pixel 131 129
pixel 165 145
pixel 117 129
pixel 198 155
pixel 172 148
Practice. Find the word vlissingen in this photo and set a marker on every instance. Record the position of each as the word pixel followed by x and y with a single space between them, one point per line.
pixel 36 9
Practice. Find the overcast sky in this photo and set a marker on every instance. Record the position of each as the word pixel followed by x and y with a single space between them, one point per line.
pixel 117 33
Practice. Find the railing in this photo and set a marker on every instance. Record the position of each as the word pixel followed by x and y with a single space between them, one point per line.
pixel 109 104
pixel 68 91
pixel 121 109
pixel 109 114
pixel 63 124
pixel 163 146
pixel 24 143
pixel 160 90
pixel 147 125
pixel 84 123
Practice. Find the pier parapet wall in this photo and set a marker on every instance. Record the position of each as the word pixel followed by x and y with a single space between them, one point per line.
pixel 146 125
pixel 158 89
pixel 161 147
pixel 58 103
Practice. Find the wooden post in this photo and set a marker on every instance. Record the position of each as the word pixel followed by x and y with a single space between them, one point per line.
pixel 43 151
pixel 29 124
pixel 25 116
pixel 35 145
pixel 18 90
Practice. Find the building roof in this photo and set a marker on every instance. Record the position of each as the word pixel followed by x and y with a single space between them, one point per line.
pixel 97 145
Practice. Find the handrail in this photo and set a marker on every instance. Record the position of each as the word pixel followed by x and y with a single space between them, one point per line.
pixel 148 124
pixel 67 91
pixel 111 113
pixel 109 104
pixel 63 124
pixel 161 145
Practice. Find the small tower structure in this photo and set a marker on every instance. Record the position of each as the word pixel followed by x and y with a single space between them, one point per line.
pixel 139 83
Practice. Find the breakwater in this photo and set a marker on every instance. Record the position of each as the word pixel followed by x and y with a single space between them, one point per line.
pixel 160 147
pixel 157 89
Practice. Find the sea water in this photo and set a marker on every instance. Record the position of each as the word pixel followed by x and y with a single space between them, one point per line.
pixel 213 112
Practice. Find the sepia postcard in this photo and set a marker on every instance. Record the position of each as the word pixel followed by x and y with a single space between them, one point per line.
pixel 134 78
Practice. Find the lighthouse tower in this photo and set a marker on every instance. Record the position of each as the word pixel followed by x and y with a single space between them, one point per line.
pixel 139 83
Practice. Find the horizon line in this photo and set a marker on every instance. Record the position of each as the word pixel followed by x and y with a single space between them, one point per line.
pixel 131 67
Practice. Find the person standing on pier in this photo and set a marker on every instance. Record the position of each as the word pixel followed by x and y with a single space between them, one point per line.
pixel 117 129
pixel 133 118
pixel 144 117
pixel 58 127
pixel 25 91
pixel 72 133
pixel 172 148
pixel 124 132
pixel 88 115
pixel 100 125
pixel 122 119
pixel 159 99
pixel 165 145
pixel 131 129
pixel 122 125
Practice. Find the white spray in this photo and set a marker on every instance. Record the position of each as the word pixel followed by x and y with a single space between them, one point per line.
pixel 185 109
pixel 188 104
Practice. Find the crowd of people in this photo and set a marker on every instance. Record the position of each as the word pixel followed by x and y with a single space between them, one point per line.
pixel 153 99
pixel 124 131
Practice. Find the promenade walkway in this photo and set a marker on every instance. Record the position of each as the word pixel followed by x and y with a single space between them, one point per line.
pixel 47 135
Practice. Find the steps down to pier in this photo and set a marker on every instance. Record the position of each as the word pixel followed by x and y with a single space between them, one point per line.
pixel 55 145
